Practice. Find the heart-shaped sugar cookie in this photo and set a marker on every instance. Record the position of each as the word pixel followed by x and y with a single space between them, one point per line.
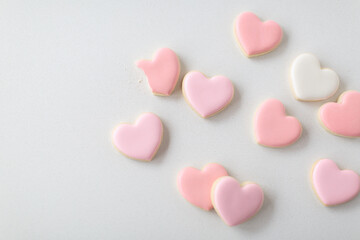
pixel 195 185
pixel 256 37
pixel 332 185
pixel 141 140
pixel 207 96
pixel 236 203
pixel 273 128
pixel 162 72
pixel 342 118
pixel 309 81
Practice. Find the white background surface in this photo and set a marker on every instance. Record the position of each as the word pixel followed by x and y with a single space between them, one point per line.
pixel 67 78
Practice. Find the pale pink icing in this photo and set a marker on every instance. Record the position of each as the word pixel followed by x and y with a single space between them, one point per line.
pixel 343 118
pixel 332 185
pixel 141 140
pixel 162 72
pixel 195 185
pixel 256 37
pixel 273 128
pixel 235 203
pixel 207 96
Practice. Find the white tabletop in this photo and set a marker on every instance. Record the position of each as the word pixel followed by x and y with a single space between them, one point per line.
pixel 67 78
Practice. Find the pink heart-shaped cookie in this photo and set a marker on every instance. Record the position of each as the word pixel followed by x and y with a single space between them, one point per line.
pixel 141 140
pixel 207 96
pixel 332 185
pixel 195 185
pixel 273 128
pixel 162 72
pixel 256 37
pixel 236 203
pixel 342 118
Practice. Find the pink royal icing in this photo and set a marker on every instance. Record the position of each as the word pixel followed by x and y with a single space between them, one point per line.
pixel 141 140
pixel 342 118
pixel 195 185
pixel 332 185
pixel 256 37
pixel 162 72
pixel 273 128
pixel 207 96
pixel 235 203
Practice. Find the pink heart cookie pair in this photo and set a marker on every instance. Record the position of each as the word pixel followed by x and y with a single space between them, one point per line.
pixel 139 141
pixel 332 185
pixel 206 96
pixel 256 37
pixel 273 128
pixel 212 187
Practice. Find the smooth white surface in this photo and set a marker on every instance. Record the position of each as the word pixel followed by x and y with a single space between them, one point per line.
pixel 68 77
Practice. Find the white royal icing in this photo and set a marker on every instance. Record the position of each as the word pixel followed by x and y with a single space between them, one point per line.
pixel 309 81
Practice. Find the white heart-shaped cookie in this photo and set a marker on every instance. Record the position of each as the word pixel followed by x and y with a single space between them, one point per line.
pixel 309 81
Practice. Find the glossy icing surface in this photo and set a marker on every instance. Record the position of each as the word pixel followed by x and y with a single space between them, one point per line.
pixel 273 128
pixel 332 185
pixel 207 96
pixel 162 72
pixel 309 81
pixel 141 140
pixel 256 37
pixel 342 118
pixel 195 185
pixel 236 203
